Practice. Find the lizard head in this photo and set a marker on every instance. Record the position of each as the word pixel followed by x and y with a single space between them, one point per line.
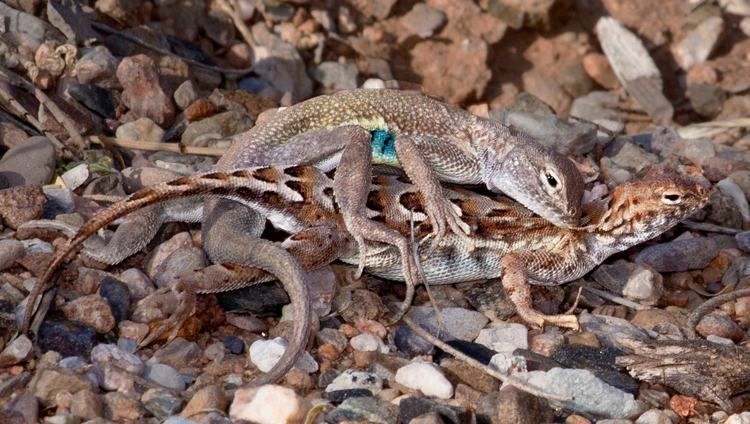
pixel 539 178
pixel 642 209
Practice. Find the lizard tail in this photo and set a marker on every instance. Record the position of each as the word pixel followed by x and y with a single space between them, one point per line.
pixel 240 182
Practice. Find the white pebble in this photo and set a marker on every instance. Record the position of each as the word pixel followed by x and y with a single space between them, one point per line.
pixel 264 354
pixel 269 404
pixel 504 337
pixel 352 379
pixel 508 363
pixel 743 418
pixel 425 377
pixel 367 342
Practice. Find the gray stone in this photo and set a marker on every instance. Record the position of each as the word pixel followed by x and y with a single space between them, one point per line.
pixel 364 409
pixel 655 416
pixel 697 151
pixel 504 337
pixel 97 65
pixel 16 351
pixel 207 131
pixel 334 76
pixel 633 158
pixel 680 255
pixel 30 163
pixel 176 352
pixel 743 241
pixel 142 130
pixel 459 323
pixel 589 394
pixel 423 20
pixel 599 107
pixel 734 191
pixel 161 403
pixel 76 177
pixel 138 283
pixel 164 375
pixel 279 63
pixel 333 337
pixel 23 29
pixel 185 94
pixel 698 44
pixel 707 99
pixel 10 250
pixel 608 329
pixel 111 354
pixel 635 281
pixel 575 138
pixel 67 16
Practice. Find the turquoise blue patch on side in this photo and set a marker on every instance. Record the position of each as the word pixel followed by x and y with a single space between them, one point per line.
pixel 384 147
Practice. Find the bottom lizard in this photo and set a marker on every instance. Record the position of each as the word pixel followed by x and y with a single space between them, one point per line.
pixel 510 242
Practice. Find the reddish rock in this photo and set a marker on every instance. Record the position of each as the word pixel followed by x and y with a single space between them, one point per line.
pixel 456 70
pixel 597 67
pixel 143 93
pixel 21 204
pixel 720 324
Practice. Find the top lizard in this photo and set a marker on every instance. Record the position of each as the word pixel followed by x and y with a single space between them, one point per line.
pixel 457 146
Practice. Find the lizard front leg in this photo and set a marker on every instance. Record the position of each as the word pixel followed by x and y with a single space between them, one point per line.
pixel 351 186
pixel 516 283
pixel 443 214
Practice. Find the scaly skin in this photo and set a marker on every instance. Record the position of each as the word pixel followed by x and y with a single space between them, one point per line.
pixel 510 241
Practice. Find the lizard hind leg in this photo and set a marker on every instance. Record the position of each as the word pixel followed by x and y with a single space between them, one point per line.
pixel 516 283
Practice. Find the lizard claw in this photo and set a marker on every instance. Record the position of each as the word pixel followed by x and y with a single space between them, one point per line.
pixel 444 215
pixel 362 247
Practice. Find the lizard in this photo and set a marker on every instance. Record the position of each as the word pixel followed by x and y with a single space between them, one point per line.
pixel 511 242
pixel 350 130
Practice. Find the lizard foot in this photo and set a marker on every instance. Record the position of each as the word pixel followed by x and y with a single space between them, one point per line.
pixel 186 300
pixel 541 320
pixel 444 215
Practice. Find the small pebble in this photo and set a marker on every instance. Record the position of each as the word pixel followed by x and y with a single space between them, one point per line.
pixel 111 354
pixel 425 377
pixel 504 337
pixel 269 404
pixel 161 403
pixel 16 351
pixel 367 342
pixel 264 354
pixel 234 345
pixel 352 379
pixel 164 375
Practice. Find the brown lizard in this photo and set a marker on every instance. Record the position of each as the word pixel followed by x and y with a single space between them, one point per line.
pixel 511 242
pixel 351 130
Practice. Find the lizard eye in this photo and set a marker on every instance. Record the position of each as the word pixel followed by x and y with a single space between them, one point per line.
pixel 551 179
pixel 671 198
